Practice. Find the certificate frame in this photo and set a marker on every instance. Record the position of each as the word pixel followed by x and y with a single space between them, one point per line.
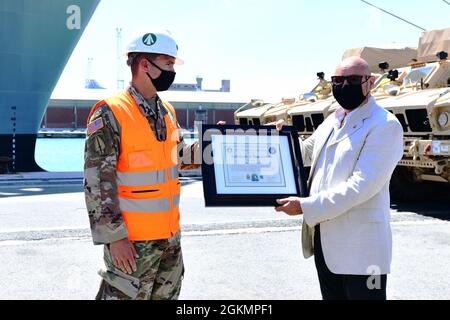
pixel 290 155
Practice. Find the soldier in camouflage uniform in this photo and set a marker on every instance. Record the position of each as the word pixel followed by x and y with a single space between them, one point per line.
pixel 155 269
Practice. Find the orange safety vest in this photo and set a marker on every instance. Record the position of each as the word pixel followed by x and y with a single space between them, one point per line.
pixel 147 172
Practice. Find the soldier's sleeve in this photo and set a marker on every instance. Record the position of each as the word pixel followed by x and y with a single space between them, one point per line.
pixel 189 155
pixel 102 149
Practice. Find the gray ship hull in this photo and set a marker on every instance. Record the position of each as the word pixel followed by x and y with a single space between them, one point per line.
pixel 37 38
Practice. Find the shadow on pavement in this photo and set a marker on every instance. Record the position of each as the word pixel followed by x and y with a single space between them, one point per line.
pixel 188 181
pixel 438 208
pixel 23 191
pixel 37 190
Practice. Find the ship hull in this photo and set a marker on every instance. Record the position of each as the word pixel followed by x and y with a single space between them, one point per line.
pixel 38 38
pixel 23 152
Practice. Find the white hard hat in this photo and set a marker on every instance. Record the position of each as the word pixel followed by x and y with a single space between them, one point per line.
pixel 153 41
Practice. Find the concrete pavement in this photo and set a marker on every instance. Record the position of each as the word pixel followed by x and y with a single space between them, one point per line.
pixel 240 253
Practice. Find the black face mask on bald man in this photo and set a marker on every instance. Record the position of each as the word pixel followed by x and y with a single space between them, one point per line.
pixel 349 94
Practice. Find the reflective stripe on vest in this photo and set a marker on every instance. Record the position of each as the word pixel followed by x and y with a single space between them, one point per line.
pixel 176 201
pixel 148 206
pixel 144 206
pixel 174 172
pixel 136 179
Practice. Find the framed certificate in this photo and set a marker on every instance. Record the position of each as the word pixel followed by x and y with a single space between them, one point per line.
pixel 248 166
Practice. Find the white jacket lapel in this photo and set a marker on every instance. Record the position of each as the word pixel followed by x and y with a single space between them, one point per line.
pixel 355 123
pixel 321 141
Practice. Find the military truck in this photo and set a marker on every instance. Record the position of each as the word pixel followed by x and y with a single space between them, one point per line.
pixel 259 113
pixel 251 113
pixel 278 111
pixel 422 105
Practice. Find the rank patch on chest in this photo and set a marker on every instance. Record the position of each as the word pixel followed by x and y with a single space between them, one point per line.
pixel 94 126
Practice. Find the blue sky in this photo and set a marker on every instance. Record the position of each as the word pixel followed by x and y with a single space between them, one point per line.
pixel 267 48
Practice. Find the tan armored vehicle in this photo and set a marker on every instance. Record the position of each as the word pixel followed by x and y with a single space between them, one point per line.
pixel 278 110
pixel 422 105
pixel 259 113
pixel 322 91
pixel 251 113
pixel 419 96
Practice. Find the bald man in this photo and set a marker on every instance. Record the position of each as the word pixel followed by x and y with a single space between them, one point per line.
pixel 346 217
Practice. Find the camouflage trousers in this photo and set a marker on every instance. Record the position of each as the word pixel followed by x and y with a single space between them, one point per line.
pixel 159 273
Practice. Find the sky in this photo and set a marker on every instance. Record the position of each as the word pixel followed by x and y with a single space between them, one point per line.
pixel 269 49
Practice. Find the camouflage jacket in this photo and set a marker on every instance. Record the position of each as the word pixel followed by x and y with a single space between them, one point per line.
pixel 102 150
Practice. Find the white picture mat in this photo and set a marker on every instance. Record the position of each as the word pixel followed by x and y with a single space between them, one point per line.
pixel 280 166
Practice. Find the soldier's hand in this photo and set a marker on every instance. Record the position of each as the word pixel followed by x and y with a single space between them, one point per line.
pixel 221 123
pixel 279 124
pixel 124 255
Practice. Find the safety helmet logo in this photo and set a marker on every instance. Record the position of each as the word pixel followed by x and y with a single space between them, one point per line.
pixel 149 39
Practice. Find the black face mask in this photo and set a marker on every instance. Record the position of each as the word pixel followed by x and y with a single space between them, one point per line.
pixel 349 96
pixel 165 79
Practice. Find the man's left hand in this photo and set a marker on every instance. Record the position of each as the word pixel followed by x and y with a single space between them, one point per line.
pixel 291 206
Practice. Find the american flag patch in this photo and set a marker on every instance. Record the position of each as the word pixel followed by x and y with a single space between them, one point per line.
pixel 94 126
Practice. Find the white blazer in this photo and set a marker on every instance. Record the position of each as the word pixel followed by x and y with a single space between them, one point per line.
pixel 353 208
